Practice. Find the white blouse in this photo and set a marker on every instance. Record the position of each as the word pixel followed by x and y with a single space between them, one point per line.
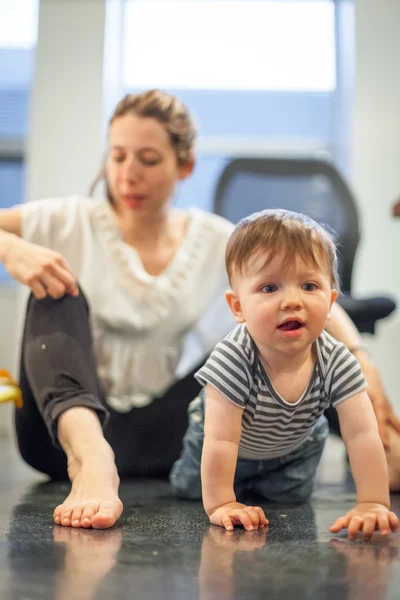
pixel 148 331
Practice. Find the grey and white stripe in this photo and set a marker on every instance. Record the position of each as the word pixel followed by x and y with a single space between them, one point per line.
pixel 272 427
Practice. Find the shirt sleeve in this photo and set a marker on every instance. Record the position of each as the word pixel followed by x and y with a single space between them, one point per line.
pixel 229 370
pixel 44 221
pixel 57 224
pixel 344 376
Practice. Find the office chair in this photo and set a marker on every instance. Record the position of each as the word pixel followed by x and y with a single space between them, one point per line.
pixel 312 187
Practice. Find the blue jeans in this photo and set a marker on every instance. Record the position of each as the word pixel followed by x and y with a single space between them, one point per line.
pixel 286 479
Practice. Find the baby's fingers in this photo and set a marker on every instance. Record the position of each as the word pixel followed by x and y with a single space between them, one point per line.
pixel 226 522
pixel 355 525
pixel 340 524
pixel 371 521
pixel 241 517
pixel 262 518
pixel 383 523
pixel 256 515
pixel 393 520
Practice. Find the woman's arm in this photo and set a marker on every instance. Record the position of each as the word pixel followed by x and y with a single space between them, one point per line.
pixel 43 270
pixel 10 230
pixel 342 328
pixel 10 222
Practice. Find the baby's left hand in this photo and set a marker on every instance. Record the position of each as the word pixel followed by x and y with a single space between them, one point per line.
pixel 367 517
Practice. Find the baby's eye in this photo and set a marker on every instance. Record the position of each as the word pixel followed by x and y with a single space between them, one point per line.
pixel 269 288
pixel 309 287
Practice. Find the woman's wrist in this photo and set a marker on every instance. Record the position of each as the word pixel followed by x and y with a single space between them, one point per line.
pixel 360 349
pixel 6 239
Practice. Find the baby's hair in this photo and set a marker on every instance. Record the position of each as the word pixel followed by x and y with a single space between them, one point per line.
pixel 167 110
pixel 279 231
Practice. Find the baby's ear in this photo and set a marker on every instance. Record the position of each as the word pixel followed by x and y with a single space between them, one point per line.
pixel 235 306
pixel 334 295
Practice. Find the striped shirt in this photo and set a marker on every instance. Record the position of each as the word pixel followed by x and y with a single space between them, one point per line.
pixel 272 427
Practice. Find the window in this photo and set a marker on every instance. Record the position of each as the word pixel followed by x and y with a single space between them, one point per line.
pixel 18 33
pixel 260 76
pixel 230 45
pixel 18 23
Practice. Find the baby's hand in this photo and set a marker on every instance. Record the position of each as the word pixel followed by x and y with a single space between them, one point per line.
pixel 234 513
pixel 367 517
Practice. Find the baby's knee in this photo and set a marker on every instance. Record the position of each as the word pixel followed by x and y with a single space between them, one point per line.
pixel 184 484
pixel 286 492
pixel 300 495
pixel 186 492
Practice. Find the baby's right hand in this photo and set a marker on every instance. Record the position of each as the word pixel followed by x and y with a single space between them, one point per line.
pixel 43 270
pixel 235 513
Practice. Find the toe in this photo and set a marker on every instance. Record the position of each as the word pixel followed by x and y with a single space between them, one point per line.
pixel 57 513
pixel 107 515
pixel 76 516
pixel 88 513
pixel 66 517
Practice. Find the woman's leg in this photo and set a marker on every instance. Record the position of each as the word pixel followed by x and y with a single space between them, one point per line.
pixel 34 441
pixel 148 440
pixel 333 420
pixel 392 452
pixel 63 411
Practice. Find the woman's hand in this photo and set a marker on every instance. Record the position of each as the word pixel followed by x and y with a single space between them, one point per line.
pixel 235 513
pixel 383 409
pixel 367 517
pixel 43 270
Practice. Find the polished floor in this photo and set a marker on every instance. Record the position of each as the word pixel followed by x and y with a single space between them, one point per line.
pixel 164 548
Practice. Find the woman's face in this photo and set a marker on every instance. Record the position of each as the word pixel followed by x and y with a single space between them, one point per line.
pixel 142 167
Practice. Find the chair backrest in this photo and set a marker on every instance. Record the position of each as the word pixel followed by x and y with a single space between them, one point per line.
pixel 305 185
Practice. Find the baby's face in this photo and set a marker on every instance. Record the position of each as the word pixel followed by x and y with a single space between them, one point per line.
pixel 284 309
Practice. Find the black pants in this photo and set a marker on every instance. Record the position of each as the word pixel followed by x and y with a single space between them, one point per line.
pixel 58 371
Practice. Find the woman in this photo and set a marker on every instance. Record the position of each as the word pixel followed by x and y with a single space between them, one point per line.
pixel 121 349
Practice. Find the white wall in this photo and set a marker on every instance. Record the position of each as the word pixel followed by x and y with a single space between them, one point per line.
pixel 65 142
pixel 375 155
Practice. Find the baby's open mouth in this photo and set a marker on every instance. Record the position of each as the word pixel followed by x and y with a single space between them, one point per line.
pixel 291 325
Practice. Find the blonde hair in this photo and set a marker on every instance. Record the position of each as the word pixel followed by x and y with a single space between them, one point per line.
pixel 273 232
pixel 167 110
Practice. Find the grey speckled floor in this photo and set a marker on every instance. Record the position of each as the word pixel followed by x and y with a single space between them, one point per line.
pixel 164 548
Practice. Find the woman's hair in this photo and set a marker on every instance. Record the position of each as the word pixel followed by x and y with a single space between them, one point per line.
pixel 291 234
pixel 167 110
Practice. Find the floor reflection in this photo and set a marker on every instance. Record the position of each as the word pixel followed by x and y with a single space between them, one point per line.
pixel 367 567
pixel 89 557
pixel 165 548
pixel 219 548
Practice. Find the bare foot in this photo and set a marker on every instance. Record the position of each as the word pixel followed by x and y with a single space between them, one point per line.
pixel 93 500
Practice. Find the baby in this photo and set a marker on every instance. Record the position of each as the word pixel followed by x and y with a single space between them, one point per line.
pixel 268 383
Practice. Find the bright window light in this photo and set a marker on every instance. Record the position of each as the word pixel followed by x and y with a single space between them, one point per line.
pixel 229 44
pixel 18 23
